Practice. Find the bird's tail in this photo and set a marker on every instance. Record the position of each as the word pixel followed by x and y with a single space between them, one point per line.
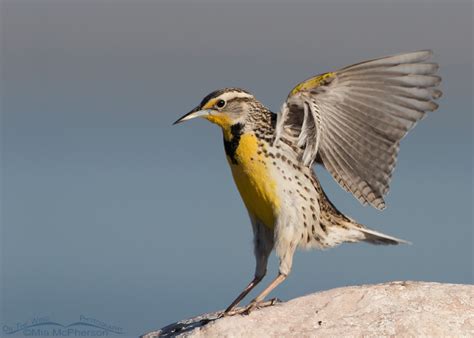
pixel 375 237
pixel 340 228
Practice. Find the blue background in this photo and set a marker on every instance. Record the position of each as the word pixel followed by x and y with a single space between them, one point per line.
pixel 110 212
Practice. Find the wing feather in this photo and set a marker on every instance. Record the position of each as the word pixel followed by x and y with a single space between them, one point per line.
pixel 354 119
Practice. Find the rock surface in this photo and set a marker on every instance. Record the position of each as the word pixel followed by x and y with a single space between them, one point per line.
pixel 389 309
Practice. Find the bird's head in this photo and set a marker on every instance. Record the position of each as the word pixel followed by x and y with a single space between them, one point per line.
pixel 224 107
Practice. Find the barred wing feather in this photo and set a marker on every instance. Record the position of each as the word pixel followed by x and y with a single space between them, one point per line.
pixel 353 119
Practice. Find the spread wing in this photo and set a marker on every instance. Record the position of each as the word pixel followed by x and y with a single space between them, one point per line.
pixel 353 119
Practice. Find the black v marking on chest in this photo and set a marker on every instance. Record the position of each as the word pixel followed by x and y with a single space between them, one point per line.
pixel 232 145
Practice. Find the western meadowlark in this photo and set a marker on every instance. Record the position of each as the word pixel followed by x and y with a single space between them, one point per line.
pixel 351 121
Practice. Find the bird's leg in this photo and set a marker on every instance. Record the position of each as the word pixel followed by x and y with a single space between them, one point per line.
pixel 284 249
pixel 257 302
pixel 244 293
pixel 263 244
pixel 277 281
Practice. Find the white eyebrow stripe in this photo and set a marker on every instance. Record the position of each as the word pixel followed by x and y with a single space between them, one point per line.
pixel 232 95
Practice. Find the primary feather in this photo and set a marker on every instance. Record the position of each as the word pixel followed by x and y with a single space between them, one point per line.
pixel 353 119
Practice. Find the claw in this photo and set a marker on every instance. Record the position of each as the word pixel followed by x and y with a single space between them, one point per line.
pixel 249 308
pixel 252 306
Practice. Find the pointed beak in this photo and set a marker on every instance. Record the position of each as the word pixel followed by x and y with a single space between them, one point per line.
pixel 196 112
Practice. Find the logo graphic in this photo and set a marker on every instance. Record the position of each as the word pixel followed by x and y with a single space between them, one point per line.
pixel 45 327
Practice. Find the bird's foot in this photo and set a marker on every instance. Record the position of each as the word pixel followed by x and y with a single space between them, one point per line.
pixel 254 305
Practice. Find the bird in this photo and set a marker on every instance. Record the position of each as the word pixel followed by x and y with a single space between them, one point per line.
pixel 351 122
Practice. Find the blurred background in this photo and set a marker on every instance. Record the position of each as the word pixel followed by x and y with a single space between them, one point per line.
pixel 110 212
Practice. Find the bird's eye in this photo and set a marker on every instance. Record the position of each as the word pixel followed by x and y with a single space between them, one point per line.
pixel 220 104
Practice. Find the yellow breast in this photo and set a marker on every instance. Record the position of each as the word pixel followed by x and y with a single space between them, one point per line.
pixel 253 179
